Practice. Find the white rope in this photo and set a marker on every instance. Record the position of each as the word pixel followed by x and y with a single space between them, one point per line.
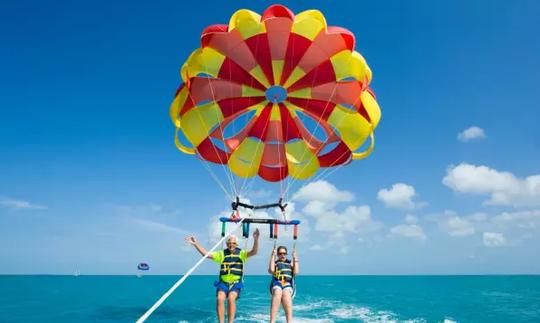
pixel 185 276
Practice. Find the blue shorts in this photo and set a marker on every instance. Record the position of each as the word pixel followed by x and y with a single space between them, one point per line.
pixel 227 288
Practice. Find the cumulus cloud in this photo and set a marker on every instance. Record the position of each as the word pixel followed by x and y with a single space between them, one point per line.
pixel 504 188
pixel 529 219
pixel 457 226
pixel 323 192
pixel 411 219
pixel 471 133
pixel 15 204
pixel 494 239
pixel 354 219
pixel 332 214
pixel 412 231
pixel 399 196
pixel 479 217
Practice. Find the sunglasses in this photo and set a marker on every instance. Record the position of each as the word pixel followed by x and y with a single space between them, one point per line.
pixel 282 253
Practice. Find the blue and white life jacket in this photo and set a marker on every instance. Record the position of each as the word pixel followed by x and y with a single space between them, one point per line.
pixel 283 272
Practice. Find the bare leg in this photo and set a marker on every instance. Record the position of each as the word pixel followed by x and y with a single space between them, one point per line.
pixel 232 305
pixel 276 299
pixel 286 301
pixel 220 306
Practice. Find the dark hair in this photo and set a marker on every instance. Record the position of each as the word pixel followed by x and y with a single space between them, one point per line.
pixel 281 247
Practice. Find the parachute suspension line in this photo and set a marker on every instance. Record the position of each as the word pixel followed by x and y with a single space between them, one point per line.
pixel 293 181
pixel 145 316
pixel 208 168
pixel 234 121
pixel 215 178
pixel 228 172
pixel 327 172
pixel 247 182
pixel 291 184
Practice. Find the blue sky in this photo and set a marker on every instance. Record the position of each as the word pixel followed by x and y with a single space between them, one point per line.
pixel 90 179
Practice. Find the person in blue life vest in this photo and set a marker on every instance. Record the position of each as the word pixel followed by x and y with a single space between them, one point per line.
pixel 283 271
pixel 231 272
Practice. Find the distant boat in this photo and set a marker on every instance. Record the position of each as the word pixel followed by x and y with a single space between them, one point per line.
pixel 77 273
pixel 142 267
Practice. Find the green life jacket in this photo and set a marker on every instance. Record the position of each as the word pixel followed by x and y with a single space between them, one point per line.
pixel 232 264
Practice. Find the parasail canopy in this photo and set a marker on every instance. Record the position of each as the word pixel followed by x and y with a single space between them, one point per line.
pixel 276 95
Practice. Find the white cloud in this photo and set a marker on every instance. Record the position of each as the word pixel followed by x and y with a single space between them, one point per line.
pixel 355 219
pixel 471 133
pixel 323 191
pixel 412 231
pixel 321 199
pixel 529 219
pixel 457 226
pixel 323 202
pixel 479 217
pixel 411 219
pixel 399 196
pixel 15 204
pixel 494 239
pixel 504 188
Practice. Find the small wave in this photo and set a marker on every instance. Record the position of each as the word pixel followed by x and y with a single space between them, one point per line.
pixel 349 312
pixel 255 317
pixel 332 310
pixel 308 320
pixel 313 306
pixel 320 310
pixel 449 320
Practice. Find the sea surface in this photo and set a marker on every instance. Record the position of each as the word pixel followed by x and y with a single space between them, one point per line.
pixel 319 299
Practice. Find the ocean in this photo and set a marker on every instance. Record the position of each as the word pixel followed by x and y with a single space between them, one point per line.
pixel 319 299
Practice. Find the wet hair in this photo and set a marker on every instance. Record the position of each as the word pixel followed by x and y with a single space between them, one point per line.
pixel 281 247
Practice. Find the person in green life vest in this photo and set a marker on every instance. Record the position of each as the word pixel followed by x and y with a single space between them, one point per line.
pixel 283 271
pixel 231 272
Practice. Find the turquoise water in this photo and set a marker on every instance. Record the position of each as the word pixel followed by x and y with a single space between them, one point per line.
pixel 319 299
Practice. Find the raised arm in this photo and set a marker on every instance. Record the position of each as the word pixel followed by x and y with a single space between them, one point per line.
pixel 193 241
pixel 255 248
pixel 272 262
pixel 295 263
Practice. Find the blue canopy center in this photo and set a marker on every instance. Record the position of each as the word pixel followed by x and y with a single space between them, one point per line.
pixel 276 94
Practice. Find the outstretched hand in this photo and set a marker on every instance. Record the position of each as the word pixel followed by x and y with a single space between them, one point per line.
pixel 191 240
pixel 294 254
pixel 256 234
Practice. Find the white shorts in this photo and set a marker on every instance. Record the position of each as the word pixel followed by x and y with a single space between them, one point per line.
pixel 287 288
